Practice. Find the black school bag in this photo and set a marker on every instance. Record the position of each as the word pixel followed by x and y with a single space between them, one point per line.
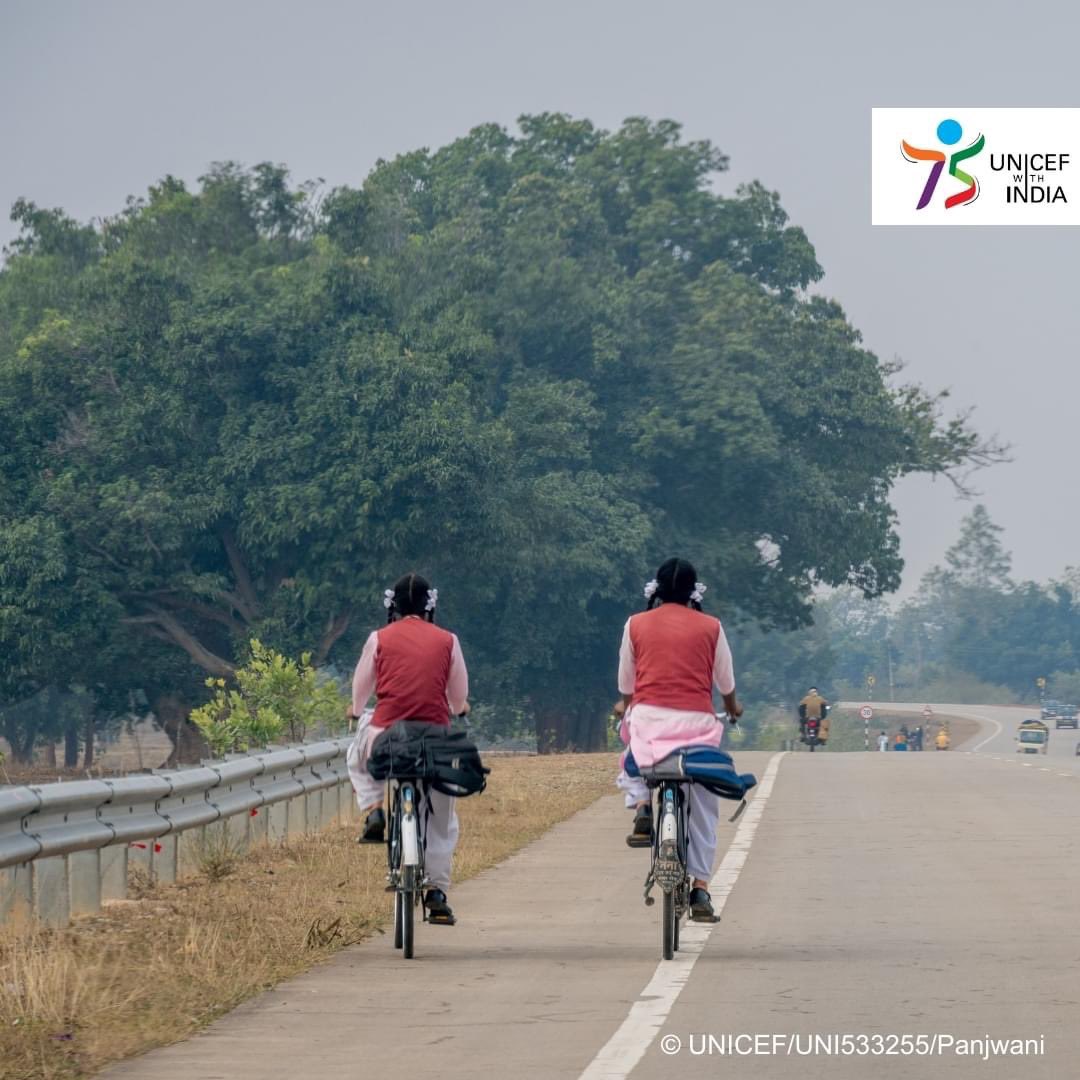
pixel 447 761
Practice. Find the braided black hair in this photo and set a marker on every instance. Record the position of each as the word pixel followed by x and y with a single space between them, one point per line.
pixel 410 598
pixel 675 581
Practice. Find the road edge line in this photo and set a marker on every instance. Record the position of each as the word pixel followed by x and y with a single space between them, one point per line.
pixel 619 1056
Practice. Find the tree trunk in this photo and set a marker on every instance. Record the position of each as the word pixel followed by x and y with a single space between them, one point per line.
pixel 550 730
pixel 71 744
pixel 171 713
pixel 581 732
pixel 50 755
pixel 23 752
pixel 88 739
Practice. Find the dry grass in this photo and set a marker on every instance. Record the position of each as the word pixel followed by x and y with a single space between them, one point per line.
pixel 152 970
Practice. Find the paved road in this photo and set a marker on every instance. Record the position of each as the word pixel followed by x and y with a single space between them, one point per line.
pixel 997 734
pixel 868 894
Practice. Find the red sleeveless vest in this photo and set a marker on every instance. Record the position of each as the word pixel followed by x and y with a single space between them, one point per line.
pixel 412 667
pixel 674 653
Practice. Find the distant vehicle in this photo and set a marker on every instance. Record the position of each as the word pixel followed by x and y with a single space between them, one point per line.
pixel 1066 716
pixel 1062 714
pixel 1078 749
pixel 1032 737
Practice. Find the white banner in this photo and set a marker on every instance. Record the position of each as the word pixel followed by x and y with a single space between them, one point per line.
pixel 954 166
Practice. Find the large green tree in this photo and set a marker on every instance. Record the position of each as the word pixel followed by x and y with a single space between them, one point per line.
pixel 531 364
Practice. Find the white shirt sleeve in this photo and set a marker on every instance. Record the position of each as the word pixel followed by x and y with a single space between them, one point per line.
pixel 457 685
pixel 363 683
pixel 723 666
pixel 627 670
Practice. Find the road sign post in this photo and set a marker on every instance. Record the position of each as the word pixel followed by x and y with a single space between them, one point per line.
pixel 870 681
pixel 867 713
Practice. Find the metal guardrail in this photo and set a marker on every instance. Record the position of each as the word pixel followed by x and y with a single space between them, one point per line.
pixel 46 830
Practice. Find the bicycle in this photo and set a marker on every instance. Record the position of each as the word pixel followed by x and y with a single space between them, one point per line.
pixel 405 858
pixel 671 831
pixel 406 843
pixel 668 867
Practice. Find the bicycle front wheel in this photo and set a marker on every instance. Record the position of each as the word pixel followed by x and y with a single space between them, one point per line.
pixel 670 926
pixel 407 903
pixel 398 918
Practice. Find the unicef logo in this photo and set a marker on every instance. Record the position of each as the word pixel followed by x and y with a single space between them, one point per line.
pixel 949 133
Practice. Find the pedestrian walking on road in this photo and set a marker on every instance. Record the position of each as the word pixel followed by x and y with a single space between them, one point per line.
pixel 883 742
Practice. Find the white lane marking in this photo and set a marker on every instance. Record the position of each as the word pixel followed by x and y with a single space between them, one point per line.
pixel 989 738
pixel 621 1053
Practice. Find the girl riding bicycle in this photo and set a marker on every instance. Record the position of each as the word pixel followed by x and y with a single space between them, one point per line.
pixel 417 672
pixel 672 655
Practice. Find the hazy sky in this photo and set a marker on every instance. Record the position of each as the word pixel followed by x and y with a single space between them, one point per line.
pixel 101 99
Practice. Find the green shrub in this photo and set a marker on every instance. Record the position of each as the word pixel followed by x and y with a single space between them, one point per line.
pixel 272 697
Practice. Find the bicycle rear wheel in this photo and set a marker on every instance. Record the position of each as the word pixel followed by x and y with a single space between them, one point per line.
pixel 407 903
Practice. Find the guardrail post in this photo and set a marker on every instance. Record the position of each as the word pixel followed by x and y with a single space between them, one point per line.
pixel 51 903
pixel 165 860
pixel 189 846
pixel 297 823
pixel 277 820
pixel 330 798
pixel 259 823
pixel 313 811
pixel 346 802
pixel 16 893
pixel 238 831
pixel 114 865
pixel 141 855
pixel 84 875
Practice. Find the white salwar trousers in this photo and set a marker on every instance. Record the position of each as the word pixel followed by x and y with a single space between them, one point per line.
pixel 439 821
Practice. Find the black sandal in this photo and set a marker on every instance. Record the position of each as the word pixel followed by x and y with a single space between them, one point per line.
pixel 642 834
pixel 374 828
pixel 701 909
pixel 438 910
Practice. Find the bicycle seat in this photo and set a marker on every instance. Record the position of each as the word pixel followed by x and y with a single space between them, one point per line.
pixel 709 766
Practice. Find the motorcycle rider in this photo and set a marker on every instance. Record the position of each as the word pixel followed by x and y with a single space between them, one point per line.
pixel 813 707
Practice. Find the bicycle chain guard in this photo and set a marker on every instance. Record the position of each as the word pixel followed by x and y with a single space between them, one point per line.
pixel 668 868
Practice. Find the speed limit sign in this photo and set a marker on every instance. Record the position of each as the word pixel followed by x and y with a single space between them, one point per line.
pixel 866 712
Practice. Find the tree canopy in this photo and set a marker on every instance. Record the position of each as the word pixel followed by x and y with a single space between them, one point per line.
pixel 531 364
pixel 969 633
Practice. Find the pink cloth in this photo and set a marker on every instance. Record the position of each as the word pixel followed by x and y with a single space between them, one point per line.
pixel 656 732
